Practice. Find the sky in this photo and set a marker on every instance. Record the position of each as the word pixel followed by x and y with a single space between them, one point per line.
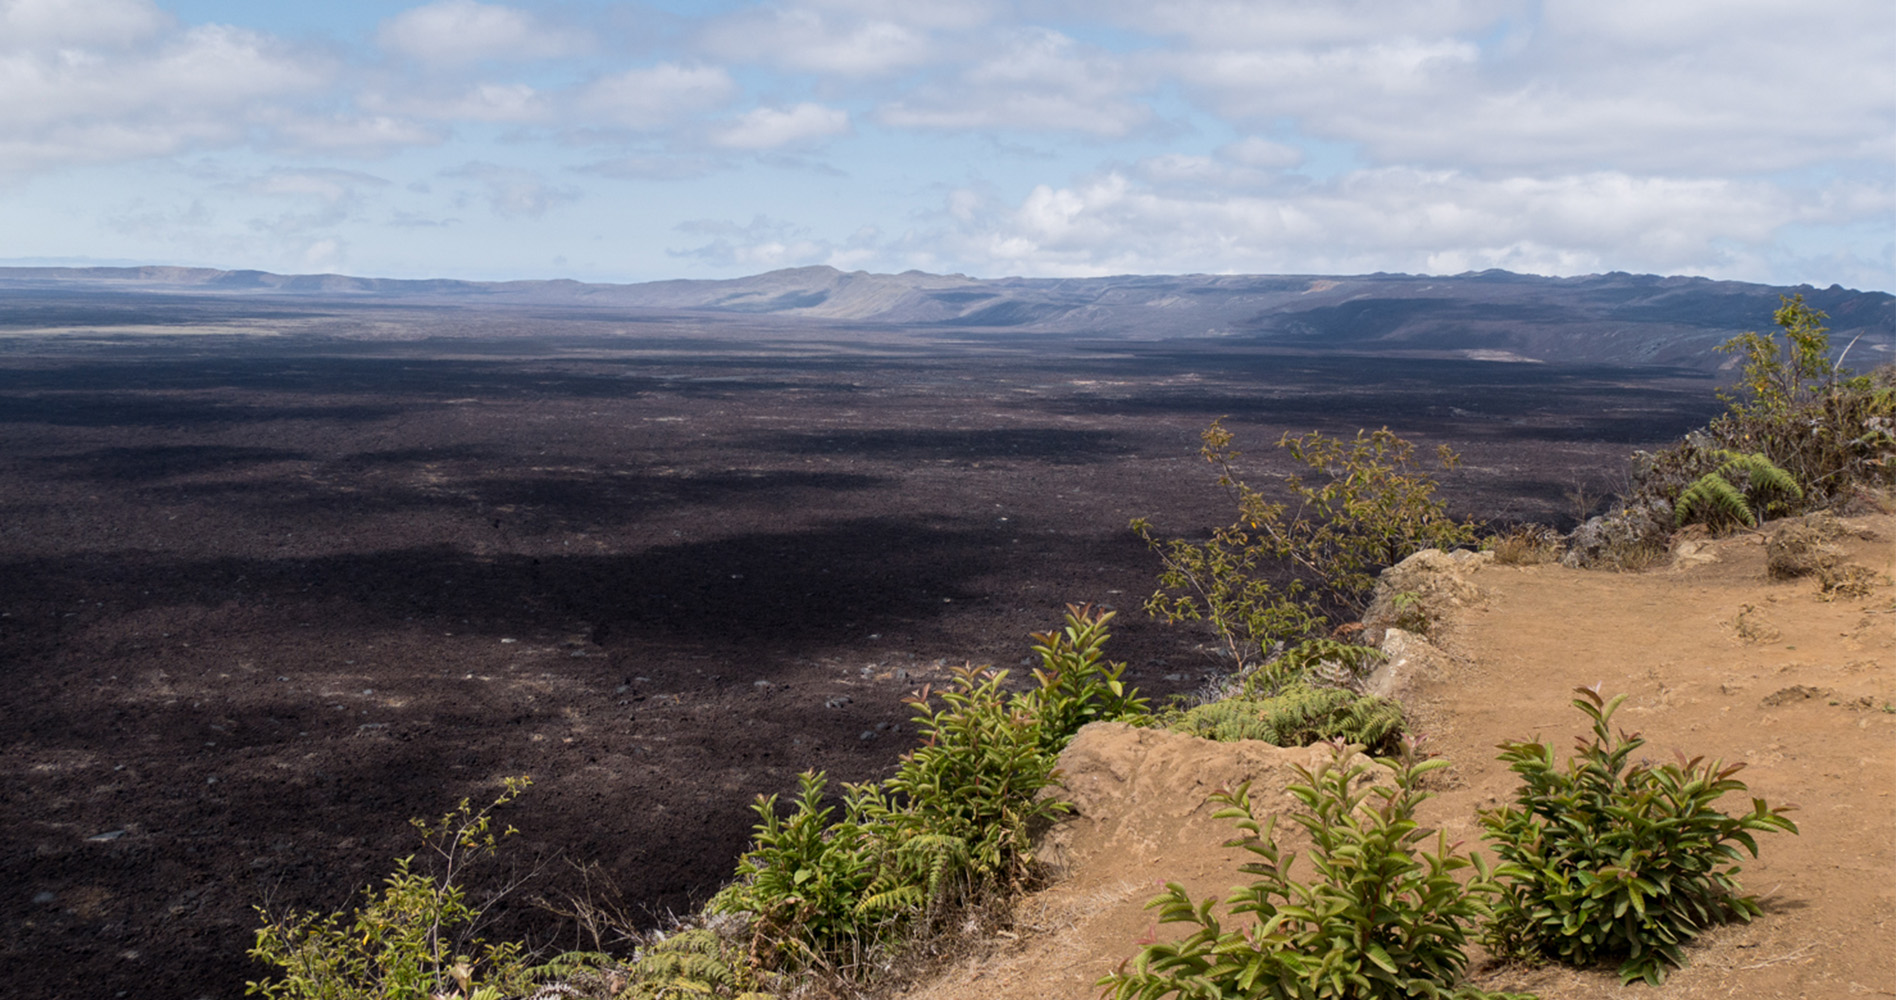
pixel 620 142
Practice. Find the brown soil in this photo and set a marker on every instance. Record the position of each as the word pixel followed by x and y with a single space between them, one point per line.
pixel 260 602
pixel 1717 659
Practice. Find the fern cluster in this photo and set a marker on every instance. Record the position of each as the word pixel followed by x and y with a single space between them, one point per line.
pixel 690 963
pixel 1299 715
pixel 1743 489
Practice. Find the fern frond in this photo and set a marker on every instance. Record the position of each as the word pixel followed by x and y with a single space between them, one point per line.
pixel 896 899
pixel 1717 499
pixel 1713 500
pixel 1766 477
pixel 685 969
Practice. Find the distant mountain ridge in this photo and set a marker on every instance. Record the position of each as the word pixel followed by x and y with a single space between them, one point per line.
pixel 1495 315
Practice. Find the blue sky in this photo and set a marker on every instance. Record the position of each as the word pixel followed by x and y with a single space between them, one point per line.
pixel 639 141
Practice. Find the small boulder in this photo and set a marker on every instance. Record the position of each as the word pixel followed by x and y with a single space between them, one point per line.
pixel 1421 591
pixel 1629 539
pixel 1408 657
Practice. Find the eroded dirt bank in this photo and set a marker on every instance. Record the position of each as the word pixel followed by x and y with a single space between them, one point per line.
pixel 1717 660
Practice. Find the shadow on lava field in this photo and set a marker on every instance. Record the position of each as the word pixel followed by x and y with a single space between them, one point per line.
pixel 266 600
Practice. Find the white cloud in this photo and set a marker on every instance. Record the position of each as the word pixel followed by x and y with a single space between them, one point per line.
pixel 329 186
pixel 451 32
pixel 1215 24
pixel 652 96
pixel 323 254
pixel 1392 219
pixel 483 102
pixel 766 243
pixel 204 70
pixel 801 38
pixel 1254 151
pixel 513 192
pixel 1032 79
pixel 1562 87
pixel 773 128
pixel 30 24
pixel 354 135
pixel 653 167
pixel 176 91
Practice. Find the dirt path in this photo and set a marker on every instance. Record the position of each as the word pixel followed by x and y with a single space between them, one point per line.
pixel 1716 660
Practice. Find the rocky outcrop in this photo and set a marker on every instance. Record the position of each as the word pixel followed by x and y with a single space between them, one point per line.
pixel 1627 539
pixel 1423 590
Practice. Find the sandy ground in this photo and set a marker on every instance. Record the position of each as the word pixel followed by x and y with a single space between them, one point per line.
pixel 1716 659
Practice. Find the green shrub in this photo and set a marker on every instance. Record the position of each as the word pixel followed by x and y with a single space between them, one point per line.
pixel 412 941
pixel 803 877
pixel 957 816
pixel 1280 572
pixel 1805 411
pixel 1298 716
pixel 978 773
pixel 1074 685
pixel 1829 431
pixel 1605 858
pixel 1380 917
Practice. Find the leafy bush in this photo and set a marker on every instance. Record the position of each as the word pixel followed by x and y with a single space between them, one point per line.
pixel 803 878
pixel 958 814
pixel 1074 685
pixel 412 941
pixel 1608 858
pixel 1282 570
pixel 1805 411
pixel 1825 432
pixel 1381 918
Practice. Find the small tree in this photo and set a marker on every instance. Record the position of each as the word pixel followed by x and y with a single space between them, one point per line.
pixel 412 941
pixel 1801 408
pixel 1778 376
pixel 1283 569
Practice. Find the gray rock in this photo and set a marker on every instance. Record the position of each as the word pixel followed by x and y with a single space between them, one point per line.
pixel 1408 657
pixel 1619 539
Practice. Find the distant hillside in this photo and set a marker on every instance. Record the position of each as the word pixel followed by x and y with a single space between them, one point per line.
pixel 1612 318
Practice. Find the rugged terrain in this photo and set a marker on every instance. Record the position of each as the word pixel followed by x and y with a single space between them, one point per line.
pixel 1616 318
pixel 278 573
pixel 1716 658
